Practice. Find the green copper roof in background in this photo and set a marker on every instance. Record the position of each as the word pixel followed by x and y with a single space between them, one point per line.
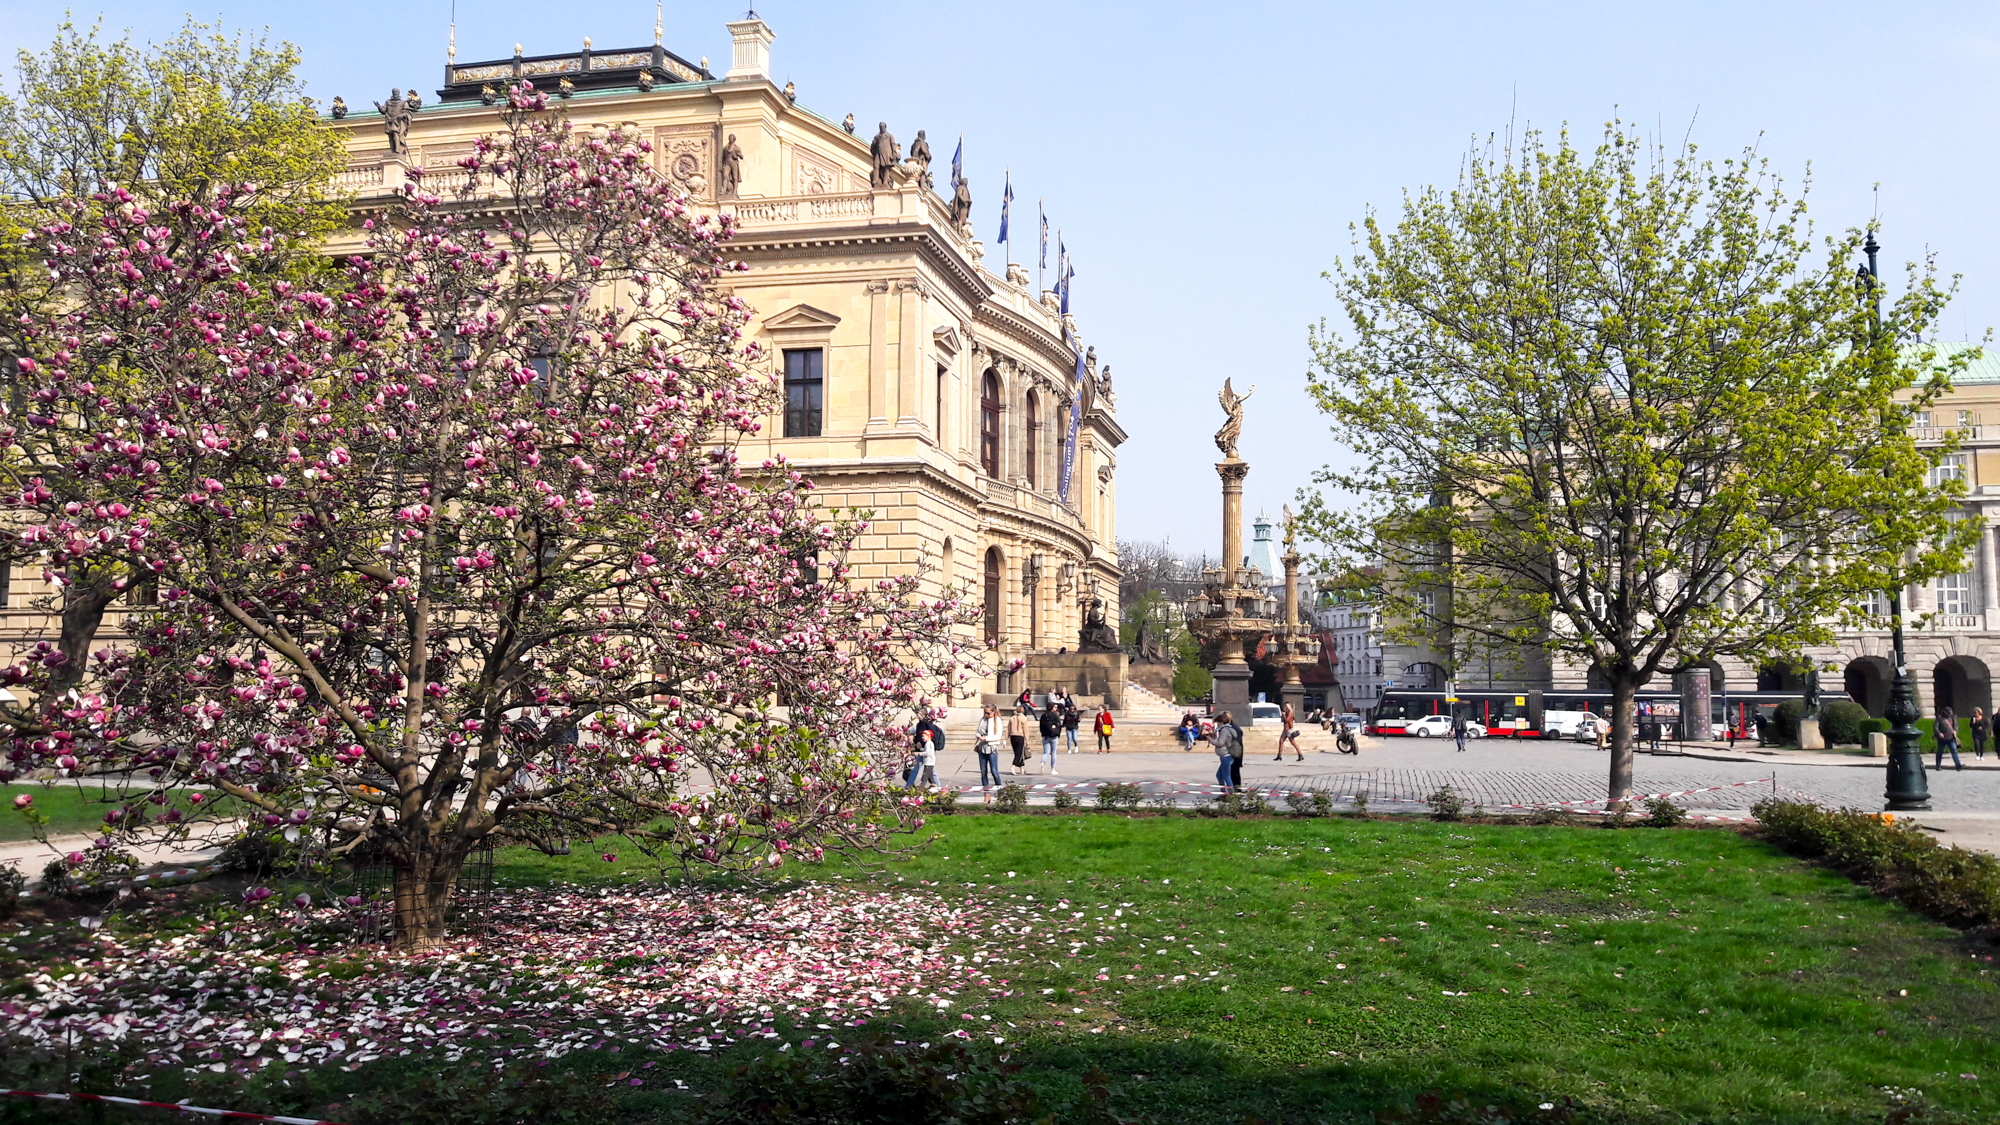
pixel 1984 369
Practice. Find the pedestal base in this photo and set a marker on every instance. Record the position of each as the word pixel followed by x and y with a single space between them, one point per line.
pixel 1232 692
pixel 1809 735
pixel 1294 694
pixel 1079 673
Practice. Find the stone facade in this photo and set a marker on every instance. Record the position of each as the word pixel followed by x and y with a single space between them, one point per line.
pixel 943 389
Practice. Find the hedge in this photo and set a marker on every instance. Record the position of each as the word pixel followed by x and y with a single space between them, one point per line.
pixel 1895 857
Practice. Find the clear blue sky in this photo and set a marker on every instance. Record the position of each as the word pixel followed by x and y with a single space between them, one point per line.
pixel 1205 160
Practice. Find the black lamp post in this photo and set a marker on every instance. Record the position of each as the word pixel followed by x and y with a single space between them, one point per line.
pixel 1906 788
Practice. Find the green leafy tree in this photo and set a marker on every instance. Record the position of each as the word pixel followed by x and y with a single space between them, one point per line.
pixel 178 131
pixel 1619 407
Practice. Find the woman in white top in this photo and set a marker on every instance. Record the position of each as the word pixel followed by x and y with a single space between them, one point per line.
pixel 987 745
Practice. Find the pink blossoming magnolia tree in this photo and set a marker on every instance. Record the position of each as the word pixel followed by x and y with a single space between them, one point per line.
pixel 462 550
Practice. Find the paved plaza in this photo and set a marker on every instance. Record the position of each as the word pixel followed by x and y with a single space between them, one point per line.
pixel 1398 773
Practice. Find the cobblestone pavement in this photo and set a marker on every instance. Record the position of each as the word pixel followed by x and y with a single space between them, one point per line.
pixel 1494 773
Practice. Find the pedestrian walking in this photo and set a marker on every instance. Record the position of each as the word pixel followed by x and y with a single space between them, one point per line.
pixel 1981 727
pixel 1189 731
pixel 1228 743
pixel 987 746
pixel 1050 725
pixel 1944 729
pixel 1729 733
pixel 1102 726
pixel 1604 731
pixel 1458 731
pixel 1017 736
pixel 1290 733
pixel 1071 719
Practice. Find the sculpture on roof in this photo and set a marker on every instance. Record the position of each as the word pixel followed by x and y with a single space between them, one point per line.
pixel 1232 405
pixel 887 155
pixel 396 121
pixel 731 171
pixel 961 202
pixel 339 107
pixel 920 155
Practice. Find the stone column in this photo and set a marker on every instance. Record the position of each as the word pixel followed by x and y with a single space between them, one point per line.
pixel 1292 690
pixel 1232 472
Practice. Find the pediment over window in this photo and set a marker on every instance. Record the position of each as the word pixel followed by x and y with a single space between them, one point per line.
pixel 801 318
pixel 947 341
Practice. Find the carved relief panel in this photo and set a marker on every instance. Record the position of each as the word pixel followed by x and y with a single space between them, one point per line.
pixel 686 154
pixel 815 173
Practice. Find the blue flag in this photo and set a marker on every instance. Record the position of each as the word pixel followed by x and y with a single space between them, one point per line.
pixel 958 164
pixel 1006 200
pixel 1064 271
pixel 1042 262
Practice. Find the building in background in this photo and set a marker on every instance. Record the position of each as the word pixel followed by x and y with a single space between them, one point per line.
pixel 922 381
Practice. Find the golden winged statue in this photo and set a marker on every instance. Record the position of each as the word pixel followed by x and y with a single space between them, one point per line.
pixel 1232 405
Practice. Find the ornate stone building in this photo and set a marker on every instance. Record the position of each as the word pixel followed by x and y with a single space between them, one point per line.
pixel 920 384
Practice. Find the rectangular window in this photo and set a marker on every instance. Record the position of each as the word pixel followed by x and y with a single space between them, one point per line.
pixel 1427 602
pixel 1921 419
pixel 1874 604
pixel 1954 593
pixel 938 427
pixel 1967 418
pixel 805 383
pixel 6 584
pixel 1952 467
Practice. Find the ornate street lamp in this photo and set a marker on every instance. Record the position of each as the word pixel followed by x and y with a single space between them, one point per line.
pixel 1906 788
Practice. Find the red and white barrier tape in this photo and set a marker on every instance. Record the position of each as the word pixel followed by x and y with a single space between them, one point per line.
pixel 1177 788
pixel 224 1114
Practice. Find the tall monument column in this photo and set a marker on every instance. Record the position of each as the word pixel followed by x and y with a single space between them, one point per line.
pixel 1232 669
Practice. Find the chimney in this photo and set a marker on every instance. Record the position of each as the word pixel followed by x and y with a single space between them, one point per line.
pixel 751 57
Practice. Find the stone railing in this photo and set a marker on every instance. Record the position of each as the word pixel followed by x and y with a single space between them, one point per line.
pixel 364 180
pixel 802 208
pixel 1958 621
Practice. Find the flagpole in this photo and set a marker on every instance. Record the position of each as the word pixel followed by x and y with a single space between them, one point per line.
pixel 1041 226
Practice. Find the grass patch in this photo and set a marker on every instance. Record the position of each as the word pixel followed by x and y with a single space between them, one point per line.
pixel 72 805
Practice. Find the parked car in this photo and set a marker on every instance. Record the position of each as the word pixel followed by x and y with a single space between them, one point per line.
pixel 1587 727
pixel 1439 726
pixel 1350 720
pixel 1262 712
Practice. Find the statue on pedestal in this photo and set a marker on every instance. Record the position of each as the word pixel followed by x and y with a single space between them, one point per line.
pixel 396 122
pixel 1097 635
pixel 1232 405
pixel 887 154
pixel 1812 694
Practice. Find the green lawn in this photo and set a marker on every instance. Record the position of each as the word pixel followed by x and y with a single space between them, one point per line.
pixel 1685 975
pixel 71 806
pixel 1329 968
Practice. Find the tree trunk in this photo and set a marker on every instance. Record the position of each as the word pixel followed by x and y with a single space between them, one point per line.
pixel 423 896
pixel 1623 693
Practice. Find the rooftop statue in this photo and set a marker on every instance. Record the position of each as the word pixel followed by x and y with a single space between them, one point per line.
pixel 961 202
pixel 1232 405
pixel 887 155
pixel 396 122
pixel 920 155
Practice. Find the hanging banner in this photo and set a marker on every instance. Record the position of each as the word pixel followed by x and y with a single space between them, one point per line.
pixel 1075 420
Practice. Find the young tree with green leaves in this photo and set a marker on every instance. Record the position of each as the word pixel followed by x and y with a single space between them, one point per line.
pixel 1619 406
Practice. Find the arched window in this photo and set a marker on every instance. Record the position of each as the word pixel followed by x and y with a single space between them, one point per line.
pixel 1033 447
pixel 993 595
pixel 989 425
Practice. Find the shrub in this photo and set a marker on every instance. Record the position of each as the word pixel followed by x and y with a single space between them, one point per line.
pixel 1064 799
pixel 1445 804
pixel 1840 721
pixel 878 1081
pixel 1550 816
pixel 1118 795
pixel 12 883
pixel 1872 726
pixel 1948 883
pixel 1322 802
pixel 99 865
pixel 256 852
pixel 943 801
pixel 1165 802
pixel 1361 802
pixel 1785 724
pixel 1299 801
pixel 1228 804
pixel 1254 804
pixel 1662 813
pixel 1011 798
